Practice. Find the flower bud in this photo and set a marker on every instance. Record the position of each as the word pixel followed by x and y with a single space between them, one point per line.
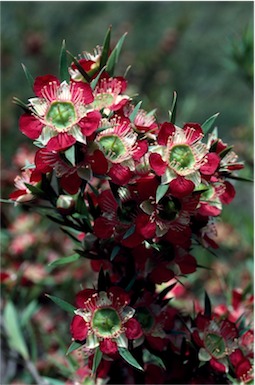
pixel 65 204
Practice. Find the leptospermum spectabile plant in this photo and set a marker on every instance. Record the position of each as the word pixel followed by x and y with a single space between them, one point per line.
pixel 136 195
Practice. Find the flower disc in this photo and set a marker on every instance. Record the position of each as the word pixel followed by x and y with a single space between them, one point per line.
pixel 215 344
pixel 106 322
pixel 181 157
pixel 61 115
pixel 112 146
pixel 145 318
pixel 168 208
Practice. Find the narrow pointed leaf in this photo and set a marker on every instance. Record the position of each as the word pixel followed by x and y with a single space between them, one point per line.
pixel 74 345
pixel 61 303
pixel 70 155
pixel 96 360
pixel 129 232
pixel 207 305
pixel 29 77
pixel 21 104
pixel 101 281
pixel 63 66
pixel 172 112
pixel 114 57
pixel 106 49
pixel 208 124
pixel 129 358
pixel 12 327
pixel 161 191
pixel 225 151
pixel 135 112
pixel 94 82
pixel 80 69
pixel 34 190
pixel 114 252
pixel 64 260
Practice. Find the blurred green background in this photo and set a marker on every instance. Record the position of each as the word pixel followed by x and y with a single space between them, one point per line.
pixel 202 50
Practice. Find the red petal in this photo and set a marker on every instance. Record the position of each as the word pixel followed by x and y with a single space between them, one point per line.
pixel 16 194
pixel 218 366
pixel 213 161
pixel 165 131
pixel 71 183
pixel 120 175
pixel 133 329
pixel 43 81
pixel 107 346
pixel 178 237
pixel 40 160
pixel 30 126
pixel 228 194
pixel 207 210
pixel 236 357
pixel 132 241
pixel 79 329
pixel 83 296
pixel 187 263
pixel 103 229
pixel 244 370
pixel 90 123
pixel 60 142
pixel 228 330
pixel 78 87
pixel 157 164
pixel 119 295
pixel 145 227
pixel 161 273
pixel 141 149
pixel 98 162
pixel 193 132
pixel 181 187
pixel 157 342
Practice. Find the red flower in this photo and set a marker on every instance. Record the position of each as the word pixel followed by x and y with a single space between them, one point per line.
pixel 60 114
pixel 104 319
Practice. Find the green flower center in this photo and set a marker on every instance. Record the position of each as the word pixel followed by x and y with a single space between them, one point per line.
pixel 126 212
pixel 145 318
pixel 102 101
pixel 61 115
pixel 215 345
pixel 181 157
pixel 106 321
pixel 169 208
pixel 206 195
pixel 112 146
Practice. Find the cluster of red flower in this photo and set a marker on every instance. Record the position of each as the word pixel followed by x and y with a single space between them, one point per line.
pixel 139 193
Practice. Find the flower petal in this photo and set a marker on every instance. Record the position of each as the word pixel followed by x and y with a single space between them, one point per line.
pixel 42 82
pixel 60 142
pixel 90 123
pixel 30 126
pixel 107 346
pixel 79 328
pixel 213 161
pixel 133 329
pixel 165 131
pixel 157 164
pixel 181 187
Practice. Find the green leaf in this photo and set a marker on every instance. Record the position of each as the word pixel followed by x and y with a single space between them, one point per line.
pixel 114 252
pixel 79 67
pixel 106 48
pixel 94 82
pixel 63 66
pixel 96 360
pixel 21 104
pixel 53 381
pixel 172 112
pixel 225 151
pixel 135 111
pixel 70 155
pixel 33 189
pixel 28 312
pixel 161 191
pixel 148 357
pixel 125 353
pixel 114 57
pixel 208 124
pixel 101 283
pixel 64 260
pixel 29 77
pixel 207 305
pixel 12 326
pixel 129 232
pixel 61 303
pixel 74 345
